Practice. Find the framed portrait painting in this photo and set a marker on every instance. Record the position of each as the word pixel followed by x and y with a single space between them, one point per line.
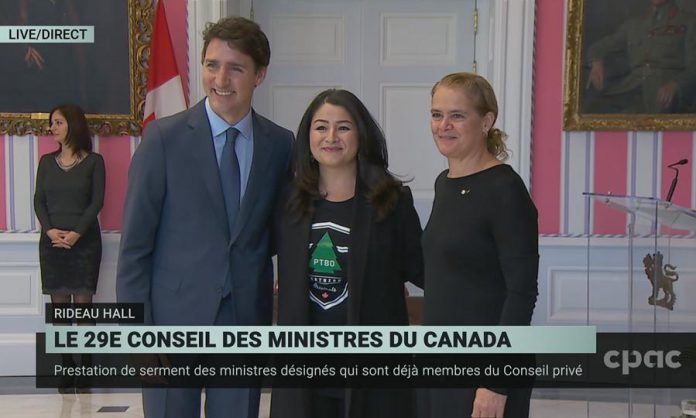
pixel 107 77
pixel 630 65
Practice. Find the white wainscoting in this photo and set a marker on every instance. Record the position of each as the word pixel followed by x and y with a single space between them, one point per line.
pixel 568 295
pixel 21 301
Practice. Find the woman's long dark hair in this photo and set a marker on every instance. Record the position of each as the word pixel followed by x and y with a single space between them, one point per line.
pixel 78 138
pixel 381 186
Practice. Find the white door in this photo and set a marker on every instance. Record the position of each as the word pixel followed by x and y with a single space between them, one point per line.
pixel 389 53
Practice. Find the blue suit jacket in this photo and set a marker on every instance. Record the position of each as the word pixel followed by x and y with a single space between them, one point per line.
pixel 175 245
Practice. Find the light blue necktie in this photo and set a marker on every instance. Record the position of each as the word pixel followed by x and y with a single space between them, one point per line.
pixel 229 177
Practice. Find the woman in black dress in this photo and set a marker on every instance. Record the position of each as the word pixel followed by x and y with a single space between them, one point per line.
pixel 348 238
pixel 69 195
pixel 480 245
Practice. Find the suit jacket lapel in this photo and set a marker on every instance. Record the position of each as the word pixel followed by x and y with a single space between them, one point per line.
pixel 203 155
pixel 359 243
pixel 259 164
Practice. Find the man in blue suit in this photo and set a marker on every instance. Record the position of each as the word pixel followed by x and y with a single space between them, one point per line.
pixel 195 238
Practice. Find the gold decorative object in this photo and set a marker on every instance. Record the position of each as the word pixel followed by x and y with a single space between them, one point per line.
pixel 662 278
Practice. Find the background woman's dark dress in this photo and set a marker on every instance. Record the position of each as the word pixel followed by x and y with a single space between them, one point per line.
pixel 70 200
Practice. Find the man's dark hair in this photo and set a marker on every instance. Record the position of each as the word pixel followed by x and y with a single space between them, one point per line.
pixel 242 34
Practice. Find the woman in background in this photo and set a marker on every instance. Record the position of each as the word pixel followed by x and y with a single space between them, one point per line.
pixel 480 245
pixel 69 195
pixel 348 239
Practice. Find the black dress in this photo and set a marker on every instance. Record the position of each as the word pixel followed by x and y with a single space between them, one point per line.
pixel 70 200
pixel 481 260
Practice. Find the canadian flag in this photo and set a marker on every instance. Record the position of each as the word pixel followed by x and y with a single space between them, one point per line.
pixel 165 94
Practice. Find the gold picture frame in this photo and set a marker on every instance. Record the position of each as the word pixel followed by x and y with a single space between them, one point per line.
pixel 576 116
pixel 115 95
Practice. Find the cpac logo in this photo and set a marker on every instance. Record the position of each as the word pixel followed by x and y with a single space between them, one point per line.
pixel 633 359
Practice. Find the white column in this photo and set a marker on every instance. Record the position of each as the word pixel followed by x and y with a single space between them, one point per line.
pixel 510 65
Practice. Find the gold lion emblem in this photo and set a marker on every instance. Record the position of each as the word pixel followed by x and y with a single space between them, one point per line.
pixel 661 279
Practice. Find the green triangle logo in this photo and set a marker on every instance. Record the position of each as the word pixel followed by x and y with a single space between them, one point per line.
pixel 323 258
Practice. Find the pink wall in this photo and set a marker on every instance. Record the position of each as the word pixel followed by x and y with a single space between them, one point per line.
pixel 3 207
pixel 548 107
pixel 116 152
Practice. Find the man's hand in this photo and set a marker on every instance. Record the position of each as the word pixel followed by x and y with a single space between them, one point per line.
pixel 596 78
pixel 667 93
pixel 33 58
pixel 488 404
